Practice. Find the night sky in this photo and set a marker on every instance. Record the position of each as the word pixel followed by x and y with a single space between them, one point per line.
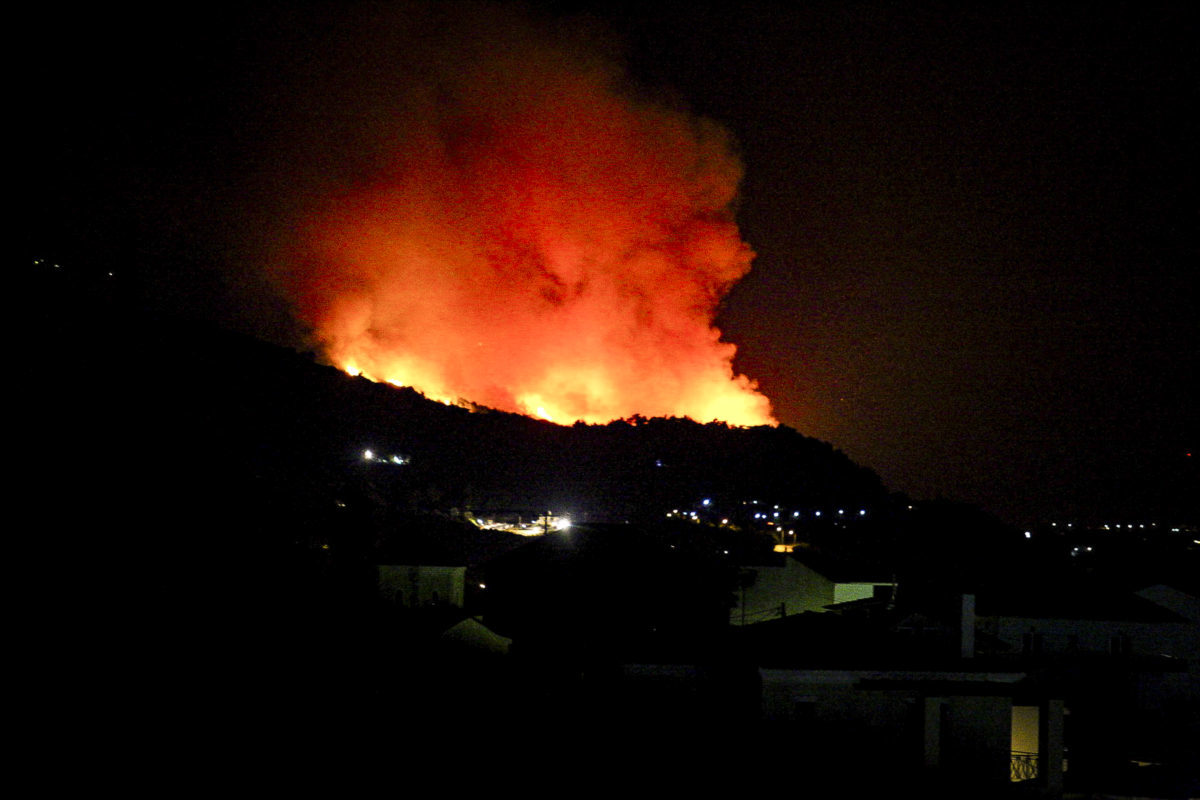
pixel 975 229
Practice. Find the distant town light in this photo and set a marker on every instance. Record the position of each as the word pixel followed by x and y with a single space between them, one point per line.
pixel 1028 535
pixel 368 455
pixel 707 501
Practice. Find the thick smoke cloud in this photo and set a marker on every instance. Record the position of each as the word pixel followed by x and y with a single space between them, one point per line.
pixel 487 211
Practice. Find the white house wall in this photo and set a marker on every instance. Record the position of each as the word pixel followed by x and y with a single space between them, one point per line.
pixel 964 734
pixel 791 588
pixel 416 586
pixel 845 592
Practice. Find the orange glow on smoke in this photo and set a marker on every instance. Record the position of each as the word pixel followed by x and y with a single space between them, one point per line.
pixel 535 240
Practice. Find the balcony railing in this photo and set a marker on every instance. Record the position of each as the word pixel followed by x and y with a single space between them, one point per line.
pixel 1023 766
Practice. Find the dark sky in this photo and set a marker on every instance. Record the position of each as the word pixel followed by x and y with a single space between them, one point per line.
pixel 976 229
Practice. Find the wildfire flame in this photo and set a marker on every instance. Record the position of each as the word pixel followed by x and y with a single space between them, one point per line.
pixel 534 238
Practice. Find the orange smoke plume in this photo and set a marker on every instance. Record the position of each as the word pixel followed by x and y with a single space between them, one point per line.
pixel 531 237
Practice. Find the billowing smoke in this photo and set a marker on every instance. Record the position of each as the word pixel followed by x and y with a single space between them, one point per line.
pixel 513 225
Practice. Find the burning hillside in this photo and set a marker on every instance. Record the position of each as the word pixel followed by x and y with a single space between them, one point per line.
pixel 523 231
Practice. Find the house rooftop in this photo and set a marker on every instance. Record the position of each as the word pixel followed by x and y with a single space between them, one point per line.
pixel 1069 600
pixel 431 540
pixel 829 641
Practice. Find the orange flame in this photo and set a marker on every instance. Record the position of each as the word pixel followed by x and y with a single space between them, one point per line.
pixel 535 240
